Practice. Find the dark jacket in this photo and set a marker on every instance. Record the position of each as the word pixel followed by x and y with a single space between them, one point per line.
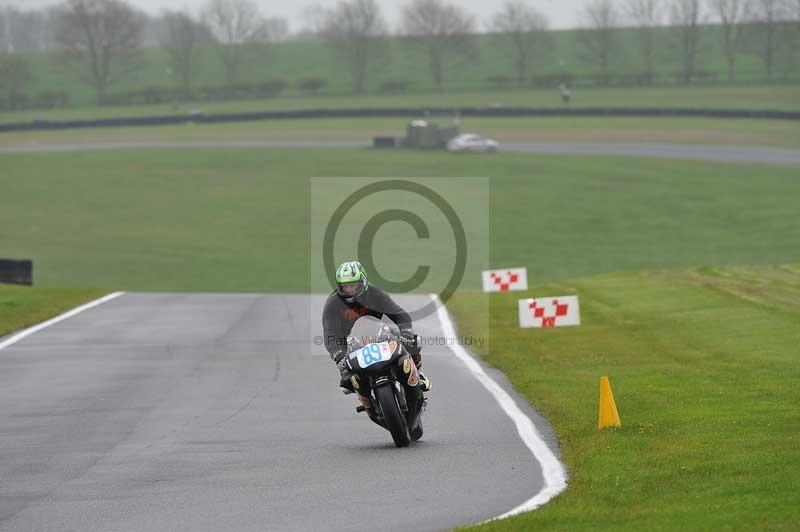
pixel 339 316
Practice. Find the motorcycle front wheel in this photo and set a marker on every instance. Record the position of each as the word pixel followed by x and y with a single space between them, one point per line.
pixel 392 416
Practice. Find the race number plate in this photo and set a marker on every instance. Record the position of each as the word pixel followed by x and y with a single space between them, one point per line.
pixel 374 353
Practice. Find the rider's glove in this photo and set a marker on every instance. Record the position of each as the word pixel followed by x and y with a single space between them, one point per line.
pixel 338 356
pixel 409 340
pixel 342 365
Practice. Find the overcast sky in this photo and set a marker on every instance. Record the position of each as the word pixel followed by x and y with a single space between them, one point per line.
pixel 561 13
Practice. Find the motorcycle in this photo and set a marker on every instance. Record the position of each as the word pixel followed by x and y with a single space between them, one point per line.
pixel 386 381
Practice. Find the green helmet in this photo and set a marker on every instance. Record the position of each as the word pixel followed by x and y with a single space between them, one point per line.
pixel 351 280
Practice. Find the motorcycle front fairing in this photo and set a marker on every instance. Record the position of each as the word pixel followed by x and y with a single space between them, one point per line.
pixel 374 358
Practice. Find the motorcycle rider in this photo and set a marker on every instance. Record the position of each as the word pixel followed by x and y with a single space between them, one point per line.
pixel 353 298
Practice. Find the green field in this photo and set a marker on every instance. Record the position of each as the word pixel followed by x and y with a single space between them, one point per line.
pixel 407 62
pixel 779 133
pixel 783 97
pixel 199 220
pixel 701 350
pixel 704 367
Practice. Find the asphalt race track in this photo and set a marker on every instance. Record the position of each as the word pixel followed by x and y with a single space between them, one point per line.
pixel 214 412
pixel 742 154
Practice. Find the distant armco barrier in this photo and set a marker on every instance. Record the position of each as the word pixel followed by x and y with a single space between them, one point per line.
pixel 398 112
pixel 16 271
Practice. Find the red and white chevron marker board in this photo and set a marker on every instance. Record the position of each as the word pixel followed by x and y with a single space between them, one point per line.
pixel 506 280
pixel 558 311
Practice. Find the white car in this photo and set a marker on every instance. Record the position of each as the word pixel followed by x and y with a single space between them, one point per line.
pixel 469 142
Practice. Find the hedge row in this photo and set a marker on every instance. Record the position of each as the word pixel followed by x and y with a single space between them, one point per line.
pixel 42 100
pixel 269 89
pixel 272 88
pixel 605 80
pixel 158 95
pixel 240 91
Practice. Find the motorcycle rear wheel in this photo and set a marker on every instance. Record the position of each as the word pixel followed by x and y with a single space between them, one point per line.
pixel 392 416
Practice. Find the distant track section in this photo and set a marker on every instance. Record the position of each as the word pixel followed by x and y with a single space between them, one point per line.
pixel 400 112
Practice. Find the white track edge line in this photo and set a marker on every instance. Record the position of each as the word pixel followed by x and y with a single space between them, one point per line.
pixel 61 317
pixel 553 471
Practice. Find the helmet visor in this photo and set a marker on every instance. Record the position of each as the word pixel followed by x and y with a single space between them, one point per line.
pixel 350 289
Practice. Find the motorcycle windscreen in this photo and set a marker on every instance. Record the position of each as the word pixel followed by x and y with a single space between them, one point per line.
pixel 373 357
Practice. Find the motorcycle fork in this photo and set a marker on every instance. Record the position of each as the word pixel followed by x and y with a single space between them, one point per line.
pixel 399 390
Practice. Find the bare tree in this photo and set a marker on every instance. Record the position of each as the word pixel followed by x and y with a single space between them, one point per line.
pixel 646 16
pixel 25 31
pixel 102 37
pixel 237 25
pixel 181 38
pixel 49 28
pixel 766 18
pixel 792 8
pixel 792 12
pixel 446 31
pixel 730 14
pixel 523 30
pixel 598 38
pixel 313 20
pixel 356 30
pixel 687 17
pixel 277 29
pixel 792 30
pixel 152 31
pixel 5 27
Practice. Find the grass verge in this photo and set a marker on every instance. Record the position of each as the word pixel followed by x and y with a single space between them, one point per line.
pixel 225 220
pixel 704 367
pixel 23 306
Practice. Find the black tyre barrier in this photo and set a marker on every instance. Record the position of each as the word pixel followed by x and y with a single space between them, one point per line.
pixel 384 142
pixel 399 112
pixel 16 271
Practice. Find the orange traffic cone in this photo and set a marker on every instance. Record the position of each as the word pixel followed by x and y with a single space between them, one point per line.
pixel 609 417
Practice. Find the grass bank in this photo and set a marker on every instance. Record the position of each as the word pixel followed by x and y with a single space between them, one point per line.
pixel 704 367
pixel 225 220
pixel 23 306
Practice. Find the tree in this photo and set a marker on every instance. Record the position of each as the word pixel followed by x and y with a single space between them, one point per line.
pixel 312 85
pixel 792 8
pixel 730 14
pixel 446 31
pixel 792 32
pixel 687 17
pixel 25 31
pixel 523 30
pixel 767 18
pixel 5 41
pixel 237 26
pixel 646 16
pixel 598 38
pixel 356 30
pixel 313 21
pixel 15 74
pixel 101 37
pixel 277 29
pixel 180 39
